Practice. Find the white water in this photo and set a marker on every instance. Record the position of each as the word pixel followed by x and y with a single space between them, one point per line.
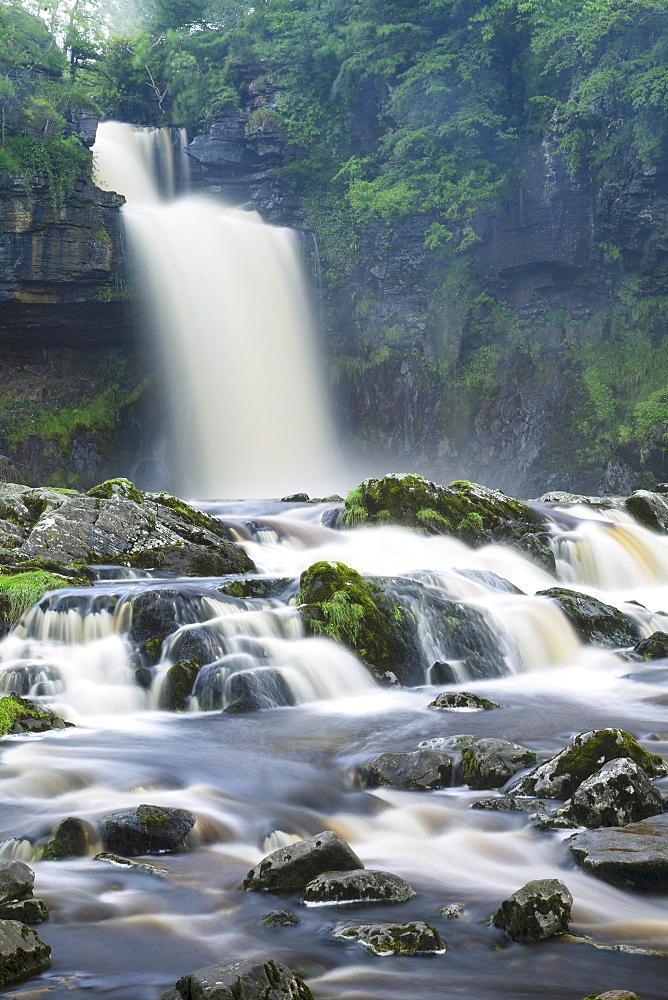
pixel 228 301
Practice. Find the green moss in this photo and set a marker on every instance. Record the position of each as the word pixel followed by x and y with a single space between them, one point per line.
pixel 25 589
pixel 13 709
pixel 432 519
pixel 116 488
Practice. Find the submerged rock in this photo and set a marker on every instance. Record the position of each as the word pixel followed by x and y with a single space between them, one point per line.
pixel 490 763
pixel 559 777
pixel 22 953
pixel 18 715
pixel 69 840
pixel 415 938
pixel 421 770
pixel 635 856
pixel 293 867
pixel 655 647
pixel 540 909
pixel 618 794
pixel 595 622
pixel 248 979
pixel 146 830
pixel 462 699
pixel 362 886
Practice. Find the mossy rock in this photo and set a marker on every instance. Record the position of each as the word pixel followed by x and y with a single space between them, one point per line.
pixel 654 647
pixel 420 771
pixel 540 909
pixel 247 979
pixel 649 509
pixel 116 488
pixel 414 938
pixel 177 686
pixel 490 763
pixel 363 885
pixel 19 591
pixel 18 715
pixel 22 953
pixel 467 511
pixel 147 829
pixel 453 700
pixel 69 840
pixel 280 918
pixel 26 911
pixel 595 622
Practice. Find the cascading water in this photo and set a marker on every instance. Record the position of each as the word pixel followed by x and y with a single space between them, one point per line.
pixel 228 301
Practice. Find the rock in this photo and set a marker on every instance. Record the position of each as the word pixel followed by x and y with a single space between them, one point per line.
pixel 595 622
pixel 614 995
pixel 361 886
pixel 16 881
pixel 178 685
pixel 26 911
pixel 138 866
pixel 559 777
pixel 556 820
pixel 21 952
pixel 655 647
pixel 421 770
pixel 457 742
pixel 18 715
pixel 257 689
pixel 618 794
pixel 490 763
pixel 293 867
pixel 633 856
pixel 462 699
pixel 254 586
pixel 249 979
pixel 146 830
pixel 154 617
pixel 452 912
pixel 509 803
pixel 465 510
pixel 540 909
pixel 649 509
pixel 280 918
pixel 69 840
pixel 415 938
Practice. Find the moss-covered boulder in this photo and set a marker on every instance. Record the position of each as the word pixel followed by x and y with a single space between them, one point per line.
pixel 540 909
pixel 280 918
pixel 18 715
pixel 22 953
pixel 68 840
pixel 464 510
pixel 414 938
pixel 293 867
pixel 619 793
pixel 449 700
pixel 654 647
pixel 247 979
pixel 421 770
pixel 26 911
pixel 362 886
pixel 560 776
pixel 648 509
pixel 595 622
pixel 146 830
pixel 178 685
pixel 490 763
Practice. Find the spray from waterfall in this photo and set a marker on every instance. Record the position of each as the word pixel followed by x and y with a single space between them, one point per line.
pixel 228 300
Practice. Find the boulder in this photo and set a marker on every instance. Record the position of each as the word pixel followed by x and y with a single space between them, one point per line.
pixel 655 647
pixel 248 979
pixel 453 911
pixel 21 952
pixel 540 909
pixel 256 689
pixel 16 881
pixel 421 770
pixel 362 886
pixel 18 715
pixel 618 794
pixel 280 918
pixel 559 777
pixel 154 617
pixel 464 510
pixel 648 509
pixel 595 622
pixel 69 840
pixel 633 856
pixel 26 911
pixel 448 700
pixel 178 685
pixel 509 803
pixel 614 995
pixel 415 938
pixel 293 867
pixel 146 830
pixel 490 763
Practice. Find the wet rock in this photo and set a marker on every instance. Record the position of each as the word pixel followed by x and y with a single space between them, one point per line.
pixel 18 715
pixel 618 794
pixel 69 840
pixel 457 742
pixel 614 995
pixel 178 685
pixel 154 617
pixel 146 830
pixel 490 763
pixel 253 586
pixel 465 510
pixel 280 918
pixel 16 881
pixel 634 856
pixel 509 803
pixel 138 866
pixel 415 938
pixel 293 867
pixel 552 821
pixel 559 777
pixel 421 770
pixel 257 689
pixel 540 909
pixel 655 647
pixel 452 912
pixel 595 622
pixel 442 672
pixel 26 911
pixel 248 979
pixel 362 886
pixel 22 953
pixel 462 699
pixel 649 509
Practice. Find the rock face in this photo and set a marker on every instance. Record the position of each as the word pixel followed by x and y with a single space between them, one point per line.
pixel 540 909
pixel 594 621
pixel 69 840
pixel 21 952
pixel 649 509
pixel 634 856
pixel 293 867
pixel 618 794
pixel 559 777
pixel 242 980
pixel 363 886
pixel 146 830
pixel 416 938
pixel 490 763
pixel 421 770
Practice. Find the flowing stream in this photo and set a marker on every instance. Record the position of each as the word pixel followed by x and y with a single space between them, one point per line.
pixel 257 781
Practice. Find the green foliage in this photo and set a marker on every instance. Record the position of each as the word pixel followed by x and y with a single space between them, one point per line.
pixel 342 619
pixel 26 589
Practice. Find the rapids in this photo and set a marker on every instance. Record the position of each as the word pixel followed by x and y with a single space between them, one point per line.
pixel 256 781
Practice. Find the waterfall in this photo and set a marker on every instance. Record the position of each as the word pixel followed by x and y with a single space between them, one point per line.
pixel 229 305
